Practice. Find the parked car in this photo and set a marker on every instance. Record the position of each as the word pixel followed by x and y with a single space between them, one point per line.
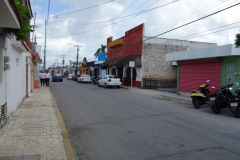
pixel 70 76
pixel 57 77
pixel 84 78
pixel 109 81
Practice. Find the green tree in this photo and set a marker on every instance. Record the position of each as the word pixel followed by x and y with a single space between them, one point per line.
pixel 237 40
pixel 100 50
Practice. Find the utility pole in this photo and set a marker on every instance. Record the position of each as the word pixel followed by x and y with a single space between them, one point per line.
pixel 77 56
pixel 45 45
pixel 63 61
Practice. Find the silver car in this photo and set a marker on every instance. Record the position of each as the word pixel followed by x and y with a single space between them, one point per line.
pixel 109 81
pixel 84 78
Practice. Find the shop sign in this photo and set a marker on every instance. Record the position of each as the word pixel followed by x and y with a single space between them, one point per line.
pixel 74 68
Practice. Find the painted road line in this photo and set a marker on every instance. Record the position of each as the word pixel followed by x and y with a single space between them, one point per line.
pixel 66 142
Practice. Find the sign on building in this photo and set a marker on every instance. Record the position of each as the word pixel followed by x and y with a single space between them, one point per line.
pixel 131 64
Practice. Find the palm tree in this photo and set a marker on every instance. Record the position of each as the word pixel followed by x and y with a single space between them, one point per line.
pixel 100 50
pixel 237 41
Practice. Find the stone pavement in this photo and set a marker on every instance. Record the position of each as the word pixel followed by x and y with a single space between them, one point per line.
pixel 33 129
pixel 159 93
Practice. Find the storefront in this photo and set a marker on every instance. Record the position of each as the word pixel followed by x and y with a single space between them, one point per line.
pixel 217 64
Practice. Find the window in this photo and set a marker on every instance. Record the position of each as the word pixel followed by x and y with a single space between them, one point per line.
pixel 230 72
pixel 113 76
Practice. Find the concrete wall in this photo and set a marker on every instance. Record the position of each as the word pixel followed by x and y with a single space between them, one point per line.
pixel 190 44
pixel 13 81
pixel 153 61
pixel 154 55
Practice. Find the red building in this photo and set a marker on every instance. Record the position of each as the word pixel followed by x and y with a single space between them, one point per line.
pixel 125 49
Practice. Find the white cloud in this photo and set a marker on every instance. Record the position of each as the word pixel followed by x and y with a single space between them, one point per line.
pixel 156 22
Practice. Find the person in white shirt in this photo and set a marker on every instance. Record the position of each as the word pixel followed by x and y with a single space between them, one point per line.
pixel 47 77
pixel 42 78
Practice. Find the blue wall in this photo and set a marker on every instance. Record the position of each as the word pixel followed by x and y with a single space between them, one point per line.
pixel 102 57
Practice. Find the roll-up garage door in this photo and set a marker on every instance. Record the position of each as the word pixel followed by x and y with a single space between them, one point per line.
pixel 194 73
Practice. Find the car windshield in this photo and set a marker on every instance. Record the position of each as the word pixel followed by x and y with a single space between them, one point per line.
pixel 85 75
pixel 113 76
pixel 58 75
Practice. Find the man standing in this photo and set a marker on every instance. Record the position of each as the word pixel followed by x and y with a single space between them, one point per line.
pixel 47 77
pixel 42 78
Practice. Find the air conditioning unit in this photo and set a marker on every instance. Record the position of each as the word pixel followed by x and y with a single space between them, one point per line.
pixel 6 67
pixel 6 59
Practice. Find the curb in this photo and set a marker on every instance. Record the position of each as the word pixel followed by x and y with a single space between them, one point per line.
pixel 66 142
pixel 124 87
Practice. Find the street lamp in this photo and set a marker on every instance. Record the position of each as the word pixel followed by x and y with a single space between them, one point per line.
pixel 77 56
pixel 46 22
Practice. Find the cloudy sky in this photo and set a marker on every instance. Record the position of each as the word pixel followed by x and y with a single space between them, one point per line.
pixel 91 27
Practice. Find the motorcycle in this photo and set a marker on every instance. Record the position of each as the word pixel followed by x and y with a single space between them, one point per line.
pixel 226 99
pixel 200 97
pixel 95 81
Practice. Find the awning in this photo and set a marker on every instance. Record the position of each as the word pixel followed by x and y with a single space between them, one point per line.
pixel 123 61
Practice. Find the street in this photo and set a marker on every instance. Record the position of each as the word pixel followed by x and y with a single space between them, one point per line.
pixel 121 124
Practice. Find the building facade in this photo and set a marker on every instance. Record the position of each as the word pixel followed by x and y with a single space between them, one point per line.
pixel 217 64
pixel 15 62
pixel 148 54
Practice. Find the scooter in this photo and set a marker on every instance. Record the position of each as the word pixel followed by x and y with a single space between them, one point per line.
pixel 200 97
pixel 226 99
pixel 95 81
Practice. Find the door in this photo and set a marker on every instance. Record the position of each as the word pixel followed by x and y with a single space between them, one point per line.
pixel 192 74
pixel 230 72
pixel 26 80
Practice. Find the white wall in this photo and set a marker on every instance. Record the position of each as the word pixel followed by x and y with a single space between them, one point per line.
pixel 13 81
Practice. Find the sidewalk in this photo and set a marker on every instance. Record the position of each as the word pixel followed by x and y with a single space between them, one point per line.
pixel 33 130
pixel 161 93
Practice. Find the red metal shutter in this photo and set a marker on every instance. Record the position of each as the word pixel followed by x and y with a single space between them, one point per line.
pixel 194 73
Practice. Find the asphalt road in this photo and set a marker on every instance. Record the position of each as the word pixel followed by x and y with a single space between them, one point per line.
pixel 120 124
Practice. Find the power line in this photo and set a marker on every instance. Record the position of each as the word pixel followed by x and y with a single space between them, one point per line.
pixel 209 30
pixel 78 10
pixel 120 14
pixel 109 24
pixel 190 16
pixel 177 27
pixel 138 13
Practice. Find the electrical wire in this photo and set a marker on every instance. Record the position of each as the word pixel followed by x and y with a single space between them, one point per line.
pixel 191 16
pixel 77 10
pixel 178 27
pixel 104 26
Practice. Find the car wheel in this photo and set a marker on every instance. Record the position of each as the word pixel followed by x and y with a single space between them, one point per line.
pixel 118 87
pixel 105 85
pixel 77 81
pixel 99 85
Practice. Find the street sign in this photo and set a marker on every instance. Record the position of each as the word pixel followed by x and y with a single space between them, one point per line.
pixel 131 64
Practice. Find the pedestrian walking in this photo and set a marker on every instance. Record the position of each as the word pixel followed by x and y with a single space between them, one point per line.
pixel 42 78
pixel 47 77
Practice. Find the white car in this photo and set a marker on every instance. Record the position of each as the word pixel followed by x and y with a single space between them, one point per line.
pixel 70 76
pixel 109 81
pixel 84 78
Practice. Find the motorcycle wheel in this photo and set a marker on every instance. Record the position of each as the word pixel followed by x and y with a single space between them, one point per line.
pixel 198 103
pixel 237 112
pixel 216 108
pixel 194 101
